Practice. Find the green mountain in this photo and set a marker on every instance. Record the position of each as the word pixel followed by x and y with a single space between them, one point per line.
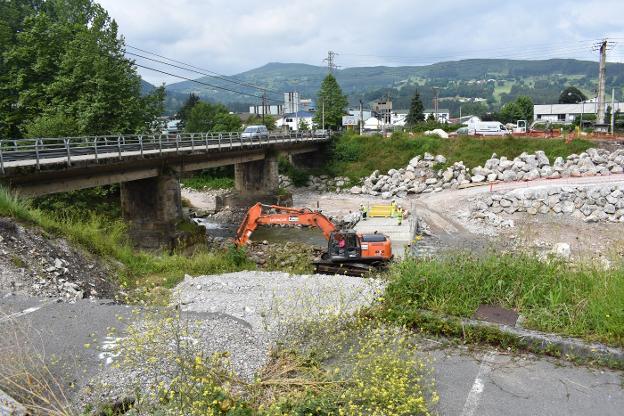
pixel 492 82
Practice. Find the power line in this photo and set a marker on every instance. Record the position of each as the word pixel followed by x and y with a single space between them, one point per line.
pixel 202 83
pixel 215 74
pixel 177 66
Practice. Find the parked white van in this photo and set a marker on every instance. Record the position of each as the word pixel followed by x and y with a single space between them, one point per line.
pixel 491 128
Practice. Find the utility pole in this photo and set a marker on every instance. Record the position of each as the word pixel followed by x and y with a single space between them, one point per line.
pixel 600 112
pixel 264 104
pixel 331 61
pixel 435 102
pixel 361 118
pixel 613 111
pixel 296 96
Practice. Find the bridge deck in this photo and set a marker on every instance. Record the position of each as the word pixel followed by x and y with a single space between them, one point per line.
pixel 38 152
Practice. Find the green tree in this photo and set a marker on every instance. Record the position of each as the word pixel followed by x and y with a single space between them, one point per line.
pixel 415 114
pixel 571 95
pixel 334 102
pixel 205 117
pixel 65 61
pixel 526 106
pixel 269 121
pixel 511 112
pixel 303 126
pixel 188 105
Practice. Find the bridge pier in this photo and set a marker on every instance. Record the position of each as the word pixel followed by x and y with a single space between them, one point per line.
pixel 307 160
pixel 259 177
pixel 152 207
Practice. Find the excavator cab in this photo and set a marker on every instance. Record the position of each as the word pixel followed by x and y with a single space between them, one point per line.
pixel 344 246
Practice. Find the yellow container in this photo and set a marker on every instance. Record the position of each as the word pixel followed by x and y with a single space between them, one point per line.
pixel 384 211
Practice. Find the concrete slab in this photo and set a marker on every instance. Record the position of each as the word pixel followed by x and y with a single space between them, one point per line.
pixel 400 235
pixel 495 383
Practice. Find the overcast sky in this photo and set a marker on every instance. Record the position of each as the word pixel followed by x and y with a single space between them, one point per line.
pixel 237 35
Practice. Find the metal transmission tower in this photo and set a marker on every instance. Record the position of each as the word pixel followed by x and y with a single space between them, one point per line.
pixel 331 61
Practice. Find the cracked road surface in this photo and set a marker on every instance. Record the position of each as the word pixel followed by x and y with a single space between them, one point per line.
pixel 492 383
pixel 469 384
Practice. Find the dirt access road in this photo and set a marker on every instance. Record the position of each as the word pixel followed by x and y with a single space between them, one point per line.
pixel 447 215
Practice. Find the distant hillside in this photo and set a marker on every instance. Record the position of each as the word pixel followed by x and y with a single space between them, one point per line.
pixel 495 81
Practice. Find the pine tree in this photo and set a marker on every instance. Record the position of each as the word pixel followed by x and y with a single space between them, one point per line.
pixel 415 114
pixel 331 98
pixel 188 105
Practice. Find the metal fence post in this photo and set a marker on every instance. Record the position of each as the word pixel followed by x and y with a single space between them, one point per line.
pixel 220 137
pixel 119 146
pixel 1 159
pixel 37 152
pixel 95 150
pixel 206 140
pixel 192 142
pixel 160 143
pixel 229 134
pixel 141 145
pixel 177 143
pixel 68 151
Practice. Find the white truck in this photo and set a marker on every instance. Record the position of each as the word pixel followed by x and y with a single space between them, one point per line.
pixel 490 128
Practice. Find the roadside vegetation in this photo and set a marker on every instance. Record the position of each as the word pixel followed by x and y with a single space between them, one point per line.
pixel 358 156
pixel 336 366
pixel 577 300
pixel 108 239
pixel 210 179
pixel 206 181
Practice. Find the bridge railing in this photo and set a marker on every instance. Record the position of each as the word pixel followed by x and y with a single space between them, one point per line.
pixel 69 149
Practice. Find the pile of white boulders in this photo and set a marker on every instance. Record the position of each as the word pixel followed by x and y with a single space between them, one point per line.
pixel 421 175
pixel 323 183
pixel 588 203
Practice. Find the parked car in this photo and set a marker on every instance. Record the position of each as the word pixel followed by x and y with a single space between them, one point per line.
pixel 462 131
pixel 255 132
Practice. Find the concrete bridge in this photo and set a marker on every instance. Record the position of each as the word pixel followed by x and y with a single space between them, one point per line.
pixel 148 167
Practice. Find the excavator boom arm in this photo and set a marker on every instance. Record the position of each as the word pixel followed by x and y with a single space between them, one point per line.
pixel 285 216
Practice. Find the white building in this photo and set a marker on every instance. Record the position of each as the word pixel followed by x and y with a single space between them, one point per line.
pixel 443 115
pixel 398 118
pixel 372 124
pixel 568 113
pixel 273 110
pixel 290 120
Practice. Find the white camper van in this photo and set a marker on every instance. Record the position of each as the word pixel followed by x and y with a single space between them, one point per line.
pixel 490 128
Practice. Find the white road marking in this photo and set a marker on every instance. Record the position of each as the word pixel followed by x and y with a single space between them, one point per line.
pixel 474 396
pixel 22 313
pixel 110 350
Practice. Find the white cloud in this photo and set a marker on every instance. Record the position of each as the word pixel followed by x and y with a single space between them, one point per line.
pixel 238 35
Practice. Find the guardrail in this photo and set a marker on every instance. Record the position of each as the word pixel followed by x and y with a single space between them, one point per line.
pixel 62 150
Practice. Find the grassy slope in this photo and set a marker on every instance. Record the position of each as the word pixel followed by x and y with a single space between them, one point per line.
pixel 107 238
pixel 583 302
pixel 357 156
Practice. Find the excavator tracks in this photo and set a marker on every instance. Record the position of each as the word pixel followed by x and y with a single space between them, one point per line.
pixel 347 269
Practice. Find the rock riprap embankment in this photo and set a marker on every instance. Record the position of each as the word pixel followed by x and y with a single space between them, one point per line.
pixel 588 203
pixel 431 173
pixel 421 174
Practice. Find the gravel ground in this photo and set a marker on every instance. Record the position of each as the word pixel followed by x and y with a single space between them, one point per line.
pixel 268 300
pixel 243 314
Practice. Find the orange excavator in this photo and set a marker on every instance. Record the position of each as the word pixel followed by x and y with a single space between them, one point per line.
pixel 347 251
